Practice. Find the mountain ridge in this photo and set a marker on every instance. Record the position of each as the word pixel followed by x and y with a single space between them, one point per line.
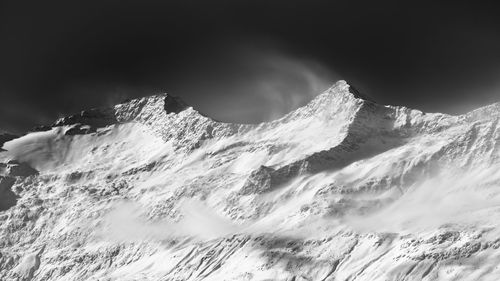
pixel 104 116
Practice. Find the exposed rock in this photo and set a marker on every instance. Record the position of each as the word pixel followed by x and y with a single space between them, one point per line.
pixel 258 181
pixel 96 117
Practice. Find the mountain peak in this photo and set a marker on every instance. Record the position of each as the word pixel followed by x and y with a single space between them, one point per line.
pixel 90 119
pixel 343 86
pixel 171 103
pixel 338 94
pixel 337 102
pixel 158 103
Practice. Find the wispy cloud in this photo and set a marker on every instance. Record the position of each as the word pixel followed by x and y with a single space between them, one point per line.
pixel 123 223
pixel 287 82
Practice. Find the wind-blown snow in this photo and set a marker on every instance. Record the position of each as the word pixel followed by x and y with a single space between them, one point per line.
pixel 340 189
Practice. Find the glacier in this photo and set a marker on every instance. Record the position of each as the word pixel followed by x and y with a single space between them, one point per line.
pixel 342 188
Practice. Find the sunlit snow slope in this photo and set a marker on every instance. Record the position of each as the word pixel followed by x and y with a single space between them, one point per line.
pixel 340 189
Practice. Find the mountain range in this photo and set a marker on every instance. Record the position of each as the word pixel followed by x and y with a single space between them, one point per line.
pixel 342 188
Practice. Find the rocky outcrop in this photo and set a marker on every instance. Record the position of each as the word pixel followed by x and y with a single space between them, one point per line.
pixel 88 121
pixel 97 117
pixel 259 181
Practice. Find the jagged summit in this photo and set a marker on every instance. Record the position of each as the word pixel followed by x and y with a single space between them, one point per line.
pixel 89 120
pixel 172 103
pixel 336 103
pixel 344 86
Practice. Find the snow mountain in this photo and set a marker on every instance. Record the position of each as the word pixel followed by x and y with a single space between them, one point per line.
pixel 340 189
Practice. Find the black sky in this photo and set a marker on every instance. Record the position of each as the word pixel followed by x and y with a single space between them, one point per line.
pixel 243 61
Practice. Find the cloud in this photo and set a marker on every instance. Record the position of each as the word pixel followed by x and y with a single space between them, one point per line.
pixel 287 82
pixel 123 223
pixel 255 82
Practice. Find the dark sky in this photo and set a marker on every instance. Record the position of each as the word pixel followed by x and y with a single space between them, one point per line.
pixel 243 61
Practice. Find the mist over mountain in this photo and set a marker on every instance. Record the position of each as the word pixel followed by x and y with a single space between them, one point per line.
pixel 342 188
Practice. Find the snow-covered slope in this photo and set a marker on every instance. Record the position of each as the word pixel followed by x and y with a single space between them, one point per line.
pixel 340 189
